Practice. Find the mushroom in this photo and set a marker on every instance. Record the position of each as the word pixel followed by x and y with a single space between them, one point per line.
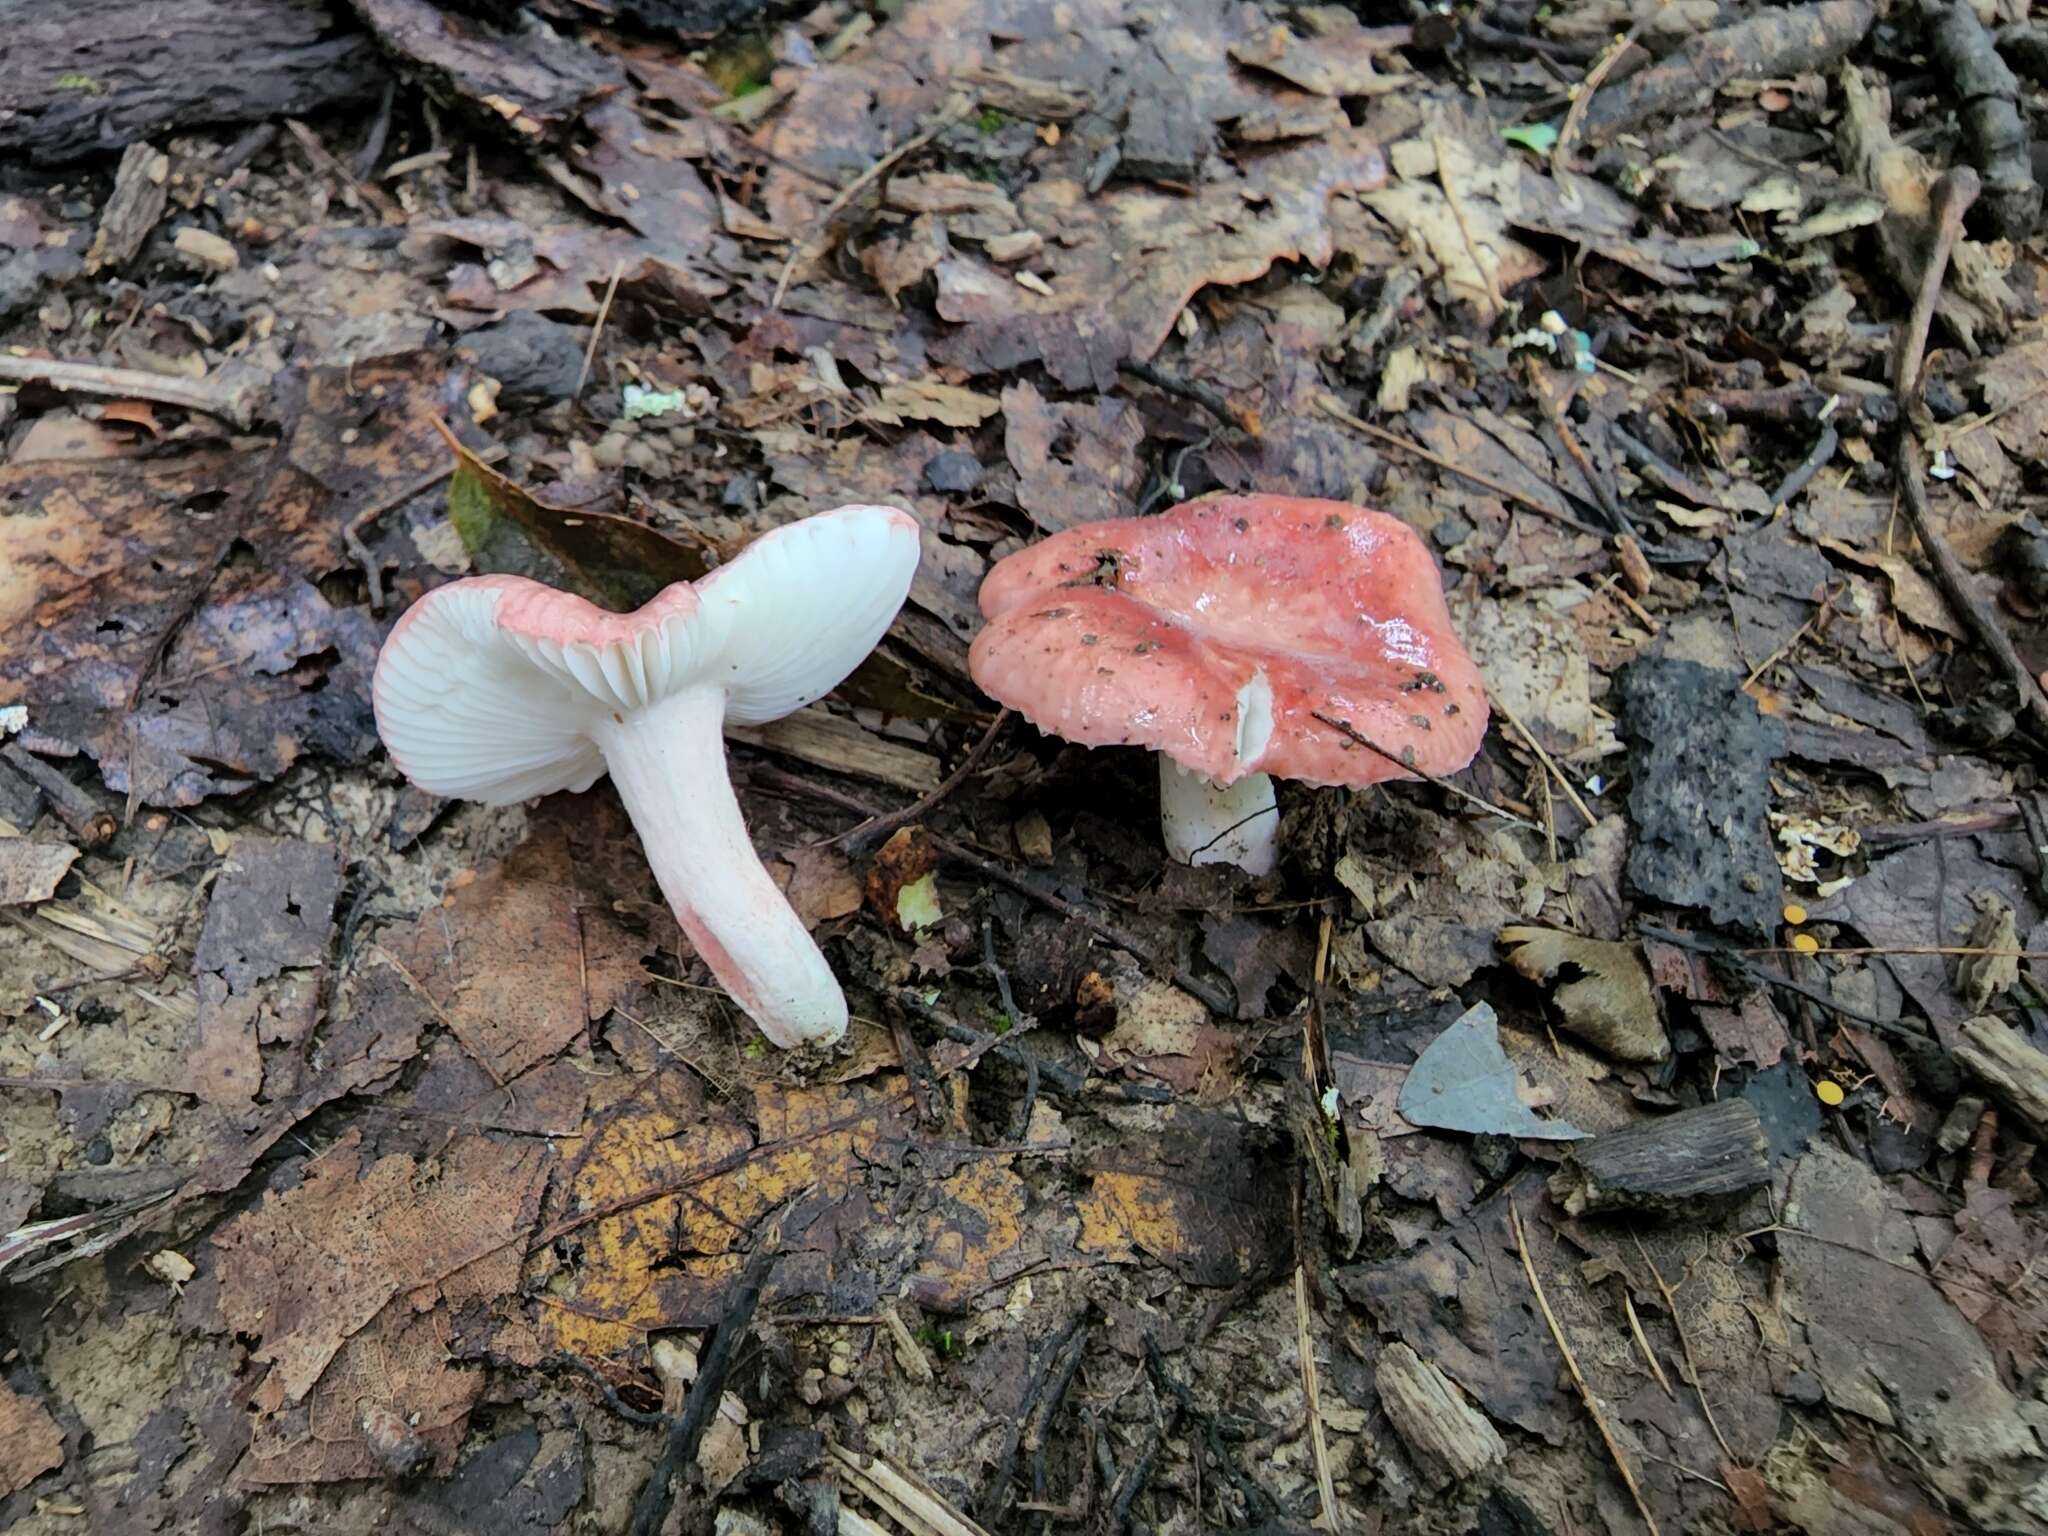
pixel 498 689
pixel 1215 634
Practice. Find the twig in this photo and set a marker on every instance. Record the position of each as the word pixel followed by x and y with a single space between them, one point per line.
pixel 1953 193
pixel 994 1494
pixel 1346 729
pixel 713 1367
pixel 369 194
pixel 1635 1330
pixel 1332 406
pixel 90 822
pixel 236 404
pixel 1554 413
pixel 1571 792
pixel 1564 1348
pixel 853 189
pixel 1673 479
pixel 1685 1343
pixel 604 310
pixel 876 828
pixel 1064 1081
pixel 1457 202
pixel 1582 98
pixel 1949 575
pixel 1791 644
pixel 1770 978
pixel 352 531
pixel 1204 993
pixel 1326 1486
pixel 1823 454
pixel 1244 420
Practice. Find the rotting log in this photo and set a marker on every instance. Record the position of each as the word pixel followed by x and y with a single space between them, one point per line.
pixel 1449 1439
pixel 1667 1166
pixel 86 77
pixel 2015 1072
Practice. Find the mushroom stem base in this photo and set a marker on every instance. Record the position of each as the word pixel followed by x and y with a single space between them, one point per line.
pixel 668 763
pixel 1204 822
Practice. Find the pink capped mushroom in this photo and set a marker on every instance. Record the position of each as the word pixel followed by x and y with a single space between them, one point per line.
pixel 1215 634
pixel 498 689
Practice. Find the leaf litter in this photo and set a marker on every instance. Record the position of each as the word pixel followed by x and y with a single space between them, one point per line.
pixel 410 1135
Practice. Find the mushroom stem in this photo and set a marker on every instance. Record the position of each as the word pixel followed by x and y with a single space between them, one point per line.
pixel 668 762
pixel 1204 822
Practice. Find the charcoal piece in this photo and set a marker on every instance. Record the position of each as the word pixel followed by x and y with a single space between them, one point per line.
pixel 1701 755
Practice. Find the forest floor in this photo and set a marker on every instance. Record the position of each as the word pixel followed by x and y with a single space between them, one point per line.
pixel 1635 1132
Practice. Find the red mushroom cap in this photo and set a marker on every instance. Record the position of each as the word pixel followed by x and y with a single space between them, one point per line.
pixel 1157 632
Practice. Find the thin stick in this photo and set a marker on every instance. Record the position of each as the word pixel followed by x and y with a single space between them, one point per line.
pixel 1570 793
pixel 1950 576
pixel 1326 1486
pixel 1635 1330
pixel 1582 98
pixel 1685 1343
pixel 1571 1363
pixel 1953 193
pixel 1332 406
pixel 1451 196
pixel 236 405
pixel 604 310
pixel 352 531
pixel 1243 419
pixel 1346 729
pixel 853 189
pixel 1906 949
pixel 876 827
pixel 1827 600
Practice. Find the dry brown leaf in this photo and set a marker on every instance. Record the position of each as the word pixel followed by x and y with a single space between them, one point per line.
pixel 30 872
pixel 1076 462
pixel 307 1269
pixel 30 1441
pixel 930 400
pixel 1608 1002
pixel 1197 1196
pixel 1339 63
pixel 823 885
pixel 518 960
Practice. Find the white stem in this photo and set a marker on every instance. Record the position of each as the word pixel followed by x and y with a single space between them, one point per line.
pixel 668 762
pixel 1204 822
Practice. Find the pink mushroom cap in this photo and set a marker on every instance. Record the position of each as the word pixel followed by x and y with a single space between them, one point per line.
pixel 1157 631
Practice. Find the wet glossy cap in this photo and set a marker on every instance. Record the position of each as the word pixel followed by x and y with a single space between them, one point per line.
pixel 1216 632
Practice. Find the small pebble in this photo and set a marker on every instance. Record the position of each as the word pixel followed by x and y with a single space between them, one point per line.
pixel 610 451
pixel 642 455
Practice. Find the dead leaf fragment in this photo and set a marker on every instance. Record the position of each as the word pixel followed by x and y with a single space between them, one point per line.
pixel 930 400
pixel 30 1441
pixel 30 871
pixel 1980 978
pixel 1464 1081
pixel 1608 1001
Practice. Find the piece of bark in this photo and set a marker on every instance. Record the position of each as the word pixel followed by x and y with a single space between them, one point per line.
pixel 1994 126
pixel 2015 1072
pixel 1669 1166
pixel 86 77
pixel 1449 1439
pixel 89 821
pixel 133 209
pixel 532 81
pixel 1772 44
pixel 20 801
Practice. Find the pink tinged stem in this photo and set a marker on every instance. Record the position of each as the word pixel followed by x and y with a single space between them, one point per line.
pixel 668 763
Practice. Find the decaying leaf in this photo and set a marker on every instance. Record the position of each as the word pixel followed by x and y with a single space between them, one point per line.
pixel 258 964
pixel 518 960
pixel 930 400
pixel 1463 1081
pixel 30 1441
pixel 1602 990
pixel 31 871
pixel 1981 977
pixel 1198 1199
pixel 901 883
pixel 308 1269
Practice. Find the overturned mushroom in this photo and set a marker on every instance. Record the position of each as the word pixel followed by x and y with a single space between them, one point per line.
pixel 1215 634
pixel 498 689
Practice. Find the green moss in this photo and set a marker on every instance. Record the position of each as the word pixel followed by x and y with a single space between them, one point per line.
pixel 990 120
